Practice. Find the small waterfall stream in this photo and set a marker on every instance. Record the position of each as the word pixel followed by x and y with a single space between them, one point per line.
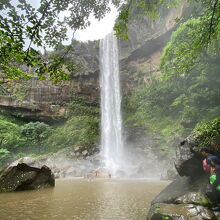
pixel 111 120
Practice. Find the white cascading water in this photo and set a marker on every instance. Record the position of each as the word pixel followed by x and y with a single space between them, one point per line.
pixel 111 120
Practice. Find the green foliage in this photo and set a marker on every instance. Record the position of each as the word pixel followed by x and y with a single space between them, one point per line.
pixel 19 139
pixel 36 132
pixel 4 156
pixel 10 136
pixel 191 74
pixel 209 134
pixel 81 129
pixel 77 131
pixel 24 27
pixel 183 51
pixel 121 26
pixel 80 106
pixel 187 92
pixel 187 50
pixel 144 109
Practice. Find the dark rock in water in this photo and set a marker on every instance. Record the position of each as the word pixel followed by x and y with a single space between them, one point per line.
pixel 24 177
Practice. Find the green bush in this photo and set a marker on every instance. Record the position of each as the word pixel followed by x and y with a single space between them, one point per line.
pixel 10 136
pixel 81 128
pixel 81 106
pixel 209 134
pixel 77 131
pixel 36 131
pixel 4 156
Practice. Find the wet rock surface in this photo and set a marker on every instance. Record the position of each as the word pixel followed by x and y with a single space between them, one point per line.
pixel 188 160
pixel 163 211
pixel 185 197
pixel 24 177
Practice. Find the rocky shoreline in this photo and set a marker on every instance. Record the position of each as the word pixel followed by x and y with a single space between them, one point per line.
pixel 185 197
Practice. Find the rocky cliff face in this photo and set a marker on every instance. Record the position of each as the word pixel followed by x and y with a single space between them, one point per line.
pixel 142 29
pixel 140 56
pixel 45 101
pixel 38 100
pixel 42 100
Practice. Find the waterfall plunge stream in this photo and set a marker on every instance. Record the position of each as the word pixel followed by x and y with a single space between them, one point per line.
pixel 139 162
pixel 111 120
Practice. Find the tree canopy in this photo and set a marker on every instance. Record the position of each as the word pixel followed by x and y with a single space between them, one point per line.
pixel 23 28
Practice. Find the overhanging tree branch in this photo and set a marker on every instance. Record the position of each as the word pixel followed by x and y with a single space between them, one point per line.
pixel 212 20
pixel 36 27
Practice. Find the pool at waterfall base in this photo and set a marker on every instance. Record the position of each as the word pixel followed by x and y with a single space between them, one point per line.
pixel 84 199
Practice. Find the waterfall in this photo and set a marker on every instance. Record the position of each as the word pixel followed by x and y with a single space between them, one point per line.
pixel 111 120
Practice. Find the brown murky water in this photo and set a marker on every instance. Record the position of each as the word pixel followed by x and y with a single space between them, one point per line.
pixel 82 199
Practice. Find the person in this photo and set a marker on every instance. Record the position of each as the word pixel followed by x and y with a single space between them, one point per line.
pixel 205 166
pixel 213 162
pixel 96 173
pixel 214 194
pixel 210 157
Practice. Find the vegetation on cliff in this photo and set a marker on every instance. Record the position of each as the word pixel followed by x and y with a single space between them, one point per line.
pixel 208 134
pixel 19 138
pixel 187 91
pixel 81 129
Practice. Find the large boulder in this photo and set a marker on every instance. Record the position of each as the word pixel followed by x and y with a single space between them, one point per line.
pixel 188 159
pixel 181 187
pixel 185 198
pixel 23 177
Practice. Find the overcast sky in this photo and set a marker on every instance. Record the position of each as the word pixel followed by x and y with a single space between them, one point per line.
pixel 98 29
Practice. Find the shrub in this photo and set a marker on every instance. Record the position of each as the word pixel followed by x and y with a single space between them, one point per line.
pixel 209 134
pixel 4 156
pixel 36 132
pixel 10 135
pixel 79 130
